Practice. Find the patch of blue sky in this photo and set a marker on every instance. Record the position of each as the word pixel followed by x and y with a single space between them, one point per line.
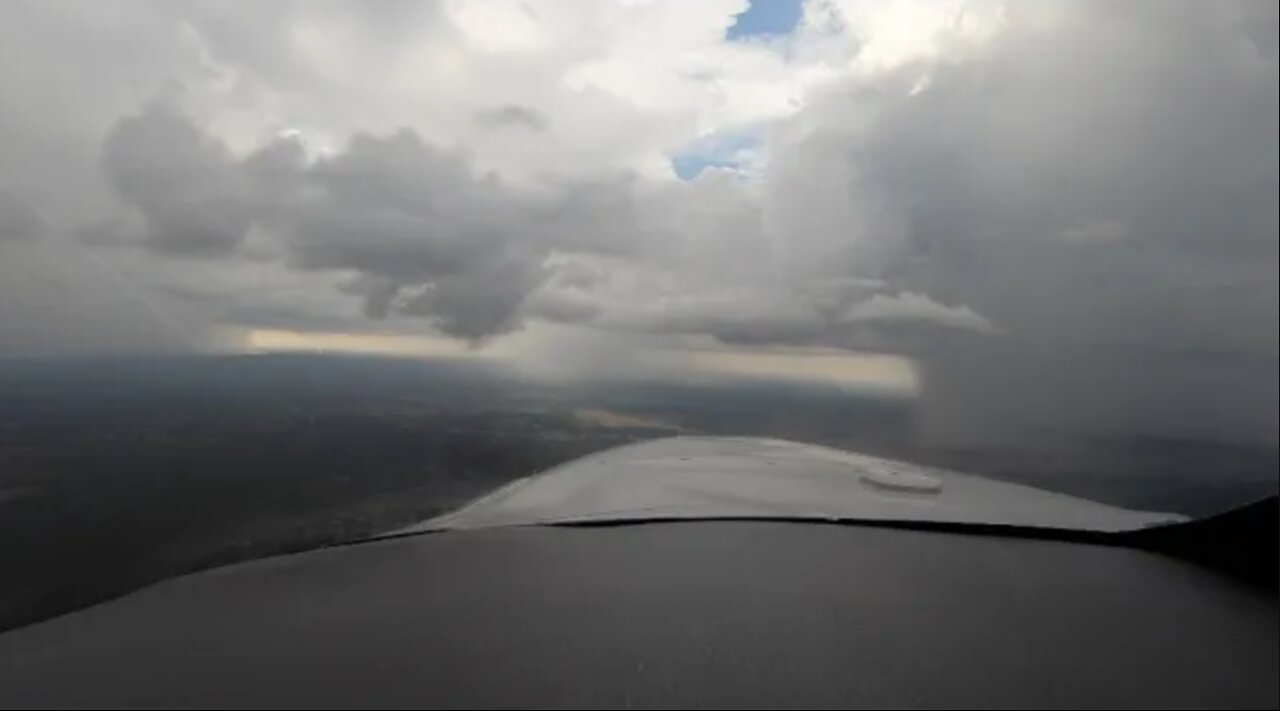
pixel 737 150
pixel 766 18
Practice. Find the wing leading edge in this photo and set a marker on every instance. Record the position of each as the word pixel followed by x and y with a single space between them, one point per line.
pixel 735 477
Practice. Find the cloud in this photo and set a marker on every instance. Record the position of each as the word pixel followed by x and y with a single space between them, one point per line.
pixel 909 307
pixel 1100 181
pixel 569 306
pixel 405 215
pixel 377 293
pixel 18 222
pixel 512 116
pixel 478 303
pixel 1063 190
pixel 185 183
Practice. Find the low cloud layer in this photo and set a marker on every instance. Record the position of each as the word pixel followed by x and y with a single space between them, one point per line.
pixel 1072 204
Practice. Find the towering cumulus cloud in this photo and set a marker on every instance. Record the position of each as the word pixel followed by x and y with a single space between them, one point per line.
pixel 1066 212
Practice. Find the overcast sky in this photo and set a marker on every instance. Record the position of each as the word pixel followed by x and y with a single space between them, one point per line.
pixel 1063 211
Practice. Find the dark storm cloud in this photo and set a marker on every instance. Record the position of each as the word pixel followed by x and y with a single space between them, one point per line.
pixel 18 221
pixel 448 245
pixel 429 236
pixel 186 184
pixel 563 307
pixel 398 208
pixel 377 294
pixel 1099 181
pixel 512 116
pixel 480 302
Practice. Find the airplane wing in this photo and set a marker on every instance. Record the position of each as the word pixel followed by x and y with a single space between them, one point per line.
pixel 748 477
pixel 694 573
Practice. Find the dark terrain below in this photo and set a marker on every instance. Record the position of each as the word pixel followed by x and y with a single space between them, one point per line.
pixel 115 473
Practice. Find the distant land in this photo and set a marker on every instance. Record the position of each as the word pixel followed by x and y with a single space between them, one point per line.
pixel 118 472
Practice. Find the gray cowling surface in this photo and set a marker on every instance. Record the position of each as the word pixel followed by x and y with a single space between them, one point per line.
pixel 712 614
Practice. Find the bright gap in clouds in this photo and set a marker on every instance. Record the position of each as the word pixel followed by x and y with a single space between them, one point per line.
pixel 864 373
pixel 731 150
pixel 270 340
pixel 764 18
